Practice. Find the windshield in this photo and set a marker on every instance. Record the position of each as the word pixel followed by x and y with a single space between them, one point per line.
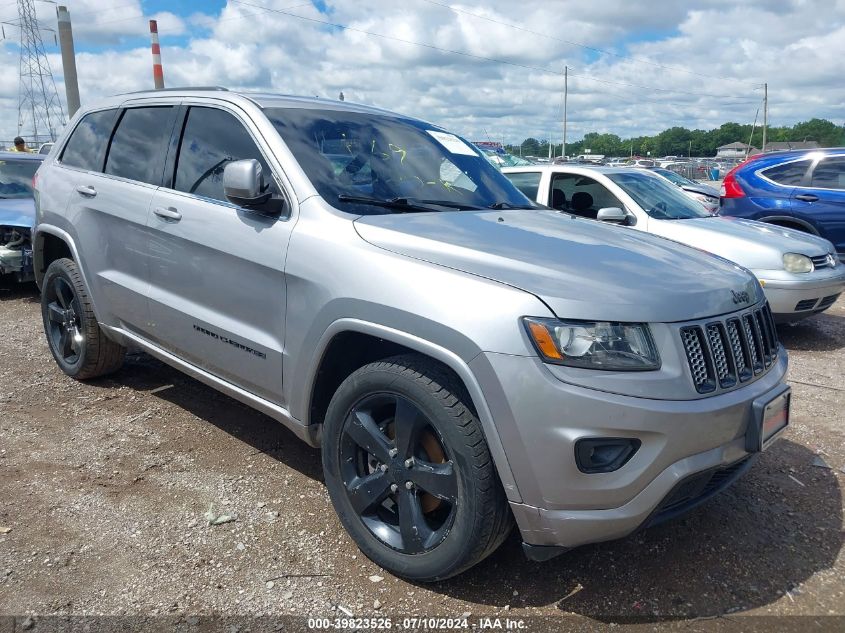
pixel 16 178
pixel 674 177
pixel 503 159
pixel 360 155
pixel 658 198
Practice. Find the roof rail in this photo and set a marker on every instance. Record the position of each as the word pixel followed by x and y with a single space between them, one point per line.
pixel 180 89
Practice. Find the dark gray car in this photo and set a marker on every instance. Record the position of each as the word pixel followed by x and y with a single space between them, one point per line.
pixel 465 359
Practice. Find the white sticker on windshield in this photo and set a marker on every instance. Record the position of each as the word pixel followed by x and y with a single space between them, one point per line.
pixel 452 143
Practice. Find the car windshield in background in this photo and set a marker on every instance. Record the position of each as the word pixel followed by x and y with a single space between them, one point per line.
pixel 503 159
pixel 674 177
pixel 16 178
pixel 658 198
pixel 350 155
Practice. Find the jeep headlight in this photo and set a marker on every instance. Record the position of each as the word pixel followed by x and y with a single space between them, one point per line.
pixel 593 344
pixel 795 263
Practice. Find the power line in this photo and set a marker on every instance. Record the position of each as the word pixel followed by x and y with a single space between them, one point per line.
pixel 473 56
pixel 603 51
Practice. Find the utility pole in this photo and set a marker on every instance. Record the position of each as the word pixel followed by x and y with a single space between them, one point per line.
pixel 68 60
pixel 765 113
pixel 158 72
pixel 38 100
pixel 565 95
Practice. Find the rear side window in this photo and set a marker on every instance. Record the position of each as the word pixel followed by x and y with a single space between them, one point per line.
pixel 527 182
pixel 790 174
pixel 139 144
pixel 86 147
pixel 830 173
pixel 213 138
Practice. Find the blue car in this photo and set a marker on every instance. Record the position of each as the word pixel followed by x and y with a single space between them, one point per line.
pixel 17 213
pixel 800 189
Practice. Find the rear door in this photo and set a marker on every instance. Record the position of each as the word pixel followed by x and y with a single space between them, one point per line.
pixel 117 162
pixel 217 295
pixel 822 200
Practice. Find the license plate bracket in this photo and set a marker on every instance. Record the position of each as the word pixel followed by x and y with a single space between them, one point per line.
pixel 769 419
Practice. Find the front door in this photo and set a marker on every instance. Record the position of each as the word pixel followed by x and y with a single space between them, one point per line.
pixel 217 285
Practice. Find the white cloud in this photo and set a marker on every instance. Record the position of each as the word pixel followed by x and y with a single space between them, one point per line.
pixel 725 47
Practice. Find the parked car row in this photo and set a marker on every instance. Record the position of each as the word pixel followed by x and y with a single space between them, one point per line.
pixel 469 354
pixel 799 272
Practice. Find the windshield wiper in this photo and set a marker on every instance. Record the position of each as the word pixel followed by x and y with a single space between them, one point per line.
pixel 507 205
pixel 463 206
pixel 400 205
pixel 405 205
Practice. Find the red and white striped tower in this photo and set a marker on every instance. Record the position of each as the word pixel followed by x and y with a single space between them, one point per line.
pixel 158 73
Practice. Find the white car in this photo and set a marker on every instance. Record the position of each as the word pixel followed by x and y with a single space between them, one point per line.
pixel 800 273
pixel 705 194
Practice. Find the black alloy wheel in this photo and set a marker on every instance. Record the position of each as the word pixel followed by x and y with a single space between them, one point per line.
pixel 63 322
pixel 408 469
pixel 81 348
pixel 397 474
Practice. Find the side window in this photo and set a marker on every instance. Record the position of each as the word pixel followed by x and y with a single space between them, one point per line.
pixel 563 186
pixel 789 174
pixel 527 182
pixel 211 139
pixel 139 144
pixel 582 195
pixel 86 147
pixel 830 173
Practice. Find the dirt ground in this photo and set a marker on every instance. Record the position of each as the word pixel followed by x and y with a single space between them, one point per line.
pixel 104 487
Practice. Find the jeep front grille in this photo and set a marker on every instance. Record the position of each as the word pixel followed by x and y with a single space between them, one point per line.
pixel 724 353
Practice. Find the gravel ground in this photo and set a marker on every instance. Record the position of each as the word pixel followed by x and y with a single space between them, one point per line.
pixel 105 485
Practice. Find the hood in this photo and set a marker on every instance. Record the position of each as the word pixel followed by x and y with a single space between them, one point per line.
pixel 17 212
pixel 706 190
pixel 755 245
pixel 581 269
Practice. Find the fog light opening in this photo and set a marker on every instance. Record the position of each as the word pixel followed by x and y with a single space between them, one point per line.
pixel 604 454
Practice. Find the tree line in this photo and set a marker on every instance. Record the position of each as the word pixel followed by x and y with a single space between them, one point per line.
pixel 679 141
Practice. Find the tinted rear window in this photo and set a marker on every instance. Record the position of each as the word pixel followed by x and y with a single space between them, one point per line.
pixel 789 174
pixel 139 144
pixel 830 173
pixel 86 147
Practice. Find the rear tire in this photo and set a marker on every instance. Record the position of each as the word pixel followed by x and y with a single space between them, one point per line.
pixel 441 514
pixel 80 347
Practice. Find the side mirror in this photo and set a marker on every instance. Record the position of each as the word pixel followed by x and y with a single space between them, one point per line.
pixel 243 183
pixel 612 214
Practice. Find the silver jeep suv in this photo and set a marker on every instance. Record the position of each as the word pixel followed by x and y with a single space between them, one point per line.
pixel 465 358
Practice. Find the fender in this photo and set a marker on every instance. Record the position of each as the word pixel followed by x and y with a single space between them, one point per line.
pixel 774 219
pixel 445 356
pixel 38 252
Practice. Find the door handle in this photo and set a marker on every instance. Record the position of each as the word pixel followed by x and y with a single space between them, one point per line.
pixel 807 197
pixel 168 213
pixel 86 190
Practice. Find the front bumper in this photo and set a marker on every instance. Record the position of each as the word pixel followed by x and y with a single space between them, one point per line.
pixel 540 418
pixel 794 300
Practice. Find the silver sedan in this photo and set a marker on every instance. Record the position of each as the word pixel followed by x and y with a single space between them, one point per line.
pixel 799 272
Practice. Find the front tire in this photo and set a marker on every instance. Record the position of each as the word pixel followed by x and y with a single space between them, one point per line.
pixel 409 472
pixel 80 347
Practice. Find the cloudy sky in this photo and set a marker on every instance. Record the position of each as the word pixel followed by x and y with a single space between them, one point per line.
pixel 483 68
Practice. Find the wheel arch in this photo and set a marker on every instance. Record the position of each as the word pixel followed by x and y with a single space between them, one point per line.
pixel 369 342
pixel 52 243
pixel 790 222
